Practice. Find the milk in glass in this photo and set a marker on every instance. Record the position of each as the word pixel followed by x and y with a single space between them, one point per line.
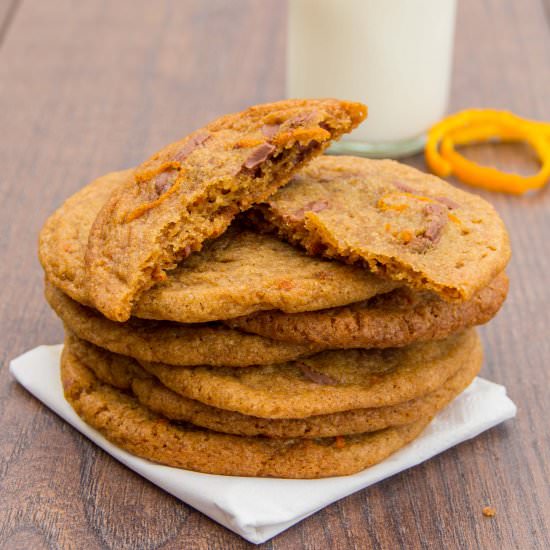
pixel 393 55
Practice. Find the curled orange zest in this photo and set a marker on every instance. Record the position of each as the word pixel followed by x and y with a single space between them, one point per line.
pixel 140 210
pixel 153 169
pixel 481 125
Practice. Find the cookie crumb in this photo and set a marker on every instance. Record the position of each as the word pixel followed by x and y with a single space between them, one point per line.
pixel 489 511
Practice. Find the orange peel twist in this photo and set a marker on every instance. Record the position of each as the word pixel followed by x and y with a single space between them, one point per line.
pixel 482 125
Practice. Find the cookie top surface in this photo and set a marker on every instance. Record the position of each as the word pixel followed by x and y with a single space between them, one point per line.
pixel 326 383
pixel 397 318
pixel 173 343
pixel 131 426
pixel 239 273
pixel 404 224
pixel 124 373
pixel 191 190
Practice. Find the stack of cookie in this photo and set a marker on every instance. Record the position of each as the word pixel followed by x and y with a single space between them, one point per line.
pixel 241 305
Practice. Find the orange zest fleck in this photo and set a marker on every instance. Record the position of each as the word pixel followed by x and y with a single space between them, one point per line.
pixel 158 274
pixel 420 198
pixel 285 284
pixel 406 236
pixel 482 125
pixel 384 205
pixel 340 442
pixel 245 143
pixel 454 219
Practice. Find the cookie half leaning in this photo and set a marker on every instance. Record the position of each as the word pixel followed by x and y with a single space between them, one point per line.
pixel 239 273
pixel 191 190
pixel 403 224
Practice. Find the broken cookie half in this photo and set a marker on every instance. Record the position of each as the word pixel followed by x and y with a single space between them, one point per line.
pixel 191 190
pixel 401 223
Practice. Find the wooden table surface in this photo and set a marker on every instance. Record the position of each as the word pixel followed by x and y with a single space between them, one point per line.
pixel 89 87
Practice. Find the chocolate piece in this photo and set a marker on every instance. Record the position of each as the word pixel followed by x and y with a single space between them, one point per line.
pixel 317 206
pixel 184 253
pixel 317 377
pixel 190 146
pixel 164 181
pixel 313 206
pixel 258 156
pixel 303 119
pixel 404 187
pixel 270 130
pixel 449 203
pixel 438 220
pixel 420 244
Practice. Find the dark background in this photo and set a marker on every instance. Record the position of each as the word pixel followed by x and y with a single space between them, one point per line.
pixel 92 86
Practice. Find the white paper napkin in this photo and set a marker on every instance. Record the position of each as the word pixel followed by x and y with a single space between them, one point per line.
pixel 255 508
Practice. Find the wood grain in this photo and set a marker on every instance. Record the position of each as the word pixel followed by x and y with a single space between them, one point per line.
pixel 8 9
pixel 89 87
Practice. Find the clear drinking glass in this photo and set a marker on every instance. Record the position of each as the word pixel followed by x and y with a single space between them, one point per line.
pixel 393 55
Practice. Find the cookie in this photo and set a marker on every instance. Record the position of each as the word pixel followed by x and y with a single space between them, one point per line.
pixel 126 423
pixel 402 223
pixel 325 383
pixel 397 318
pixel 172 343
pixel 239 273
pixel 191 190
pixel 124 373
pixel 246 271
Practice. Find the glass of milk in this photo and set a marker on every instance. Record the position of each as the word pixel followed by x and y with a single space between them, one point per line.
pixel 393 55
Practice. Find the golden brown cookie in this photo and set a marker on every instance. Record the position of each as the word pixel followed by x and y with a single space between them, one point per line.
pixel 326 383
pixel 397 318
pixel 126 423
pixel 239 273
pixel 172 343
pixel 124 373
pixel 191 190
pixel 402 223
